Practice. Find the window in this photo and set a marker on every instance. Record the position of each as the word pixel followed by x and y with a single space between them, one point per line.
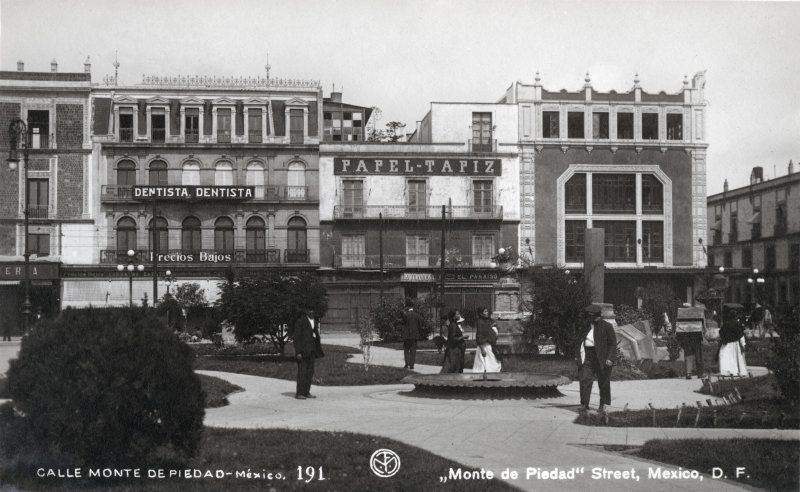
pixel 650 126
pixel 191 241
pixel 482 250
pixel 613 193
pixel 191 174
pixel 769 257
pixel 254 176
pixel 126 235
pixel 417 198
pixel 417 251
pixel 39 244
pixel 600 125
pixel 158 129
pixel 574 240
pixel 733 235
pixel 353 250
pixel 296 181
pixel 625 126
pixel 550 124
pixel 38 129
pixel 652 241
pixel 223 235
pixel 780 213
pixel 674 126
pixel 482 197
pixel 126 125
pixel 482 132
pixel 158 173
pixel 162 232
pixel 794 259
pixel 652 194
pixel 38 198
pixel 620 239
pixel 296 126
pixel 192 120
pixel 297 247
pixel 224 125
pixel 126 178
pixel 755 220
pixel 575 124
pixel 254 127
pixel 717 225
pixel 223 174
pixel 256 237
pixel 727 259
pixel 575 194
pixel 352 198
pixel 747 258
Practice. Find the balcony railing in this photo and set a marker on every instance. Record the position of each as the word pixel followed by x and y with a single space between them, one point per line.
pixel 417 212
pixel 37 211
pixel 207 256
pixel 223 136
pixel 296 137
pixel 276 193
pixel 158 135
pixel 192 137
pixel 254 136
pixel 39 141
pixel 296 256
pixel 296 192
pixel 126 134
pixel 482 145
pixel 410 261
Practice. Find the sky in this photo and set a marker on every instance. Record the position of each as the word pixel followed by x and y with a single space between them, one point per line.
pixel 400 55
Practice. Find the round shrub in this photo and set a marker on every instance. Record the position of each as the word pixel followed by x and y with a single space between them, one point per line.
pixel 388 321
pixel 101 387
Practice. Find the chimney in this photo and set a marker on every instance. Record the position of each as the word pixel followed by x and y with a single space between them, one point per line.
pixel 791 167
pixel 54 66
pixel 725 186
pixel 336 96
pixel 87 65
pixel 20 65
pixel 757 176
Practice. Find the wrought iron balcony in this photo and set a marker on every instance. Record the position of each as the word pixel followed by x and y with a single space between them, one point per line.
pixel 429 212
pixel 223 136
pixel 406 261
pixel 40 141
pixel 126 134
pixel 482 145
pixel 192 137
pixel 38 211
pixel 296 137
pixel 158 135
pixel 254 136
pixel 296 256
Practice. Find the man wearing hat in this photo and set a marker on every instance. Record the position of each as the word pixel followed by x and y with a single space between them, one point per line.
pixel 597 351
pixel 307 347
pixel 412 324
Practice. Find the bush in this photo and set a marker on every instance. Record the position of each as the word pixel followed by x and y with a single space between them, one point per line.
pixel 387 318
pixel 660 298
pixel 627 315
pixel 101 387
pixel 673 346
pixel 786 361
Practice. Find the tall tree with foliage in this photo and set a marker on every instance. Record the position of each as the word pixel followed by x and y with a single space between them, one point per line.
pixel 557 303
pixel 268 303
pixel 660 298
pixel 394 131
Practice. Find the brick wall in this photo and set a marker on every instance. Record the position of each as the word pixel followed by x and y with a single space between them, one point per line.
pixel 7 112
pixel 70 186
pixel 8 239
pixel 69 126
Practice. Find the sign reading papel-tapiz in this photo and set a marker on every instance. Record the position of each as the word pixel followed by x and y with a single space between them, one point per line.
pixel 194 192
pixel 435 167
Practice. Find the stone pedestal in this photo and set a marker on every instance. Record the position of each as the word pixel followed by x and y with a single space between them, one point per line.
pixel 506 298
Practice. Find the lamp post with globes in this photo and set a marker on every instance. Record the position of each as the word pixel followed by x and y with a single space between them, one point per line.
pixel 18 136
pixel 168 281
pixel 754 281
pixel 130 267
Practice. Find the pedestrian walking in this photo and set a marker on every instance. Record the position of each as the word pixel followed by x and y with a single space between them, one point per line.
pixel 598 345
pixel 412 324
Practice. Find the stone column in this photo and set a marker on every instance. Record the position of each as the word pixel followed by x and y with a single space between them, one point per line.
pixel 594 264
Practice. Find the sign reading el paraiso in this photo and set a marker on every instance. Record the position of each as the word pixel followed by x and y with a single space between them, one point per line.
pixel 434 167
pixel 194 192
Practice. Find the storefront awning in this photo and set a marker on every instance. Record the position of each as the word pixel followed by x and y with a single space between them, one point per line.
pixel 717 226
pixel 755 219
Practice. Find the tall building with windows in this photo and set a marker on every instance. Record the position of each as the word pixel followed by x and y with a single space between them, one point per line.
pixel 754 235
pixel 55 106
pixel 200 176
pixel 342 122
pixel 632 163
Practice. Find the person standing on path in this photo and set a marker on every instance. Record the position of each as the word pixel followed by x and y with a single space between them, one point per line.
pixel 454 355
pixel 412 323
pixel 486 338
pixel 307 347
pixel 597 351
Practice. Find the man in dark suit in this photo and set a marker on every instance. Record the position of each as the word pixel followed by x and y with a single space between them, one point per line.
pixel 305 333
pixel 598 347
pixel 411 328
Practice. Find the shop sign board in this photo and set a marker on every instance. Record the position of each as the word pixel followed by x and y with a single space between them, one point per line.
pixel 420 165
pixel 194 192
pixel 38 271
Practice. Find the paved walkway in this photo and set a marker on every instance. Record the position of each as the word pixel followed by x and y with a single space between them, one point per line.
pixel 489 434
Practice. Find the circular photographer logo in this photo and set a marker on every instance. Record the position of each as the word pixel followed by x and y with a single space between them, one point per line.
pixel 384 463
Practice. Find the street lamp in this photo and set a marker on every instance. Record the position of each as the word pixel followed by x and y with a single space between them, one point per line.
pixel 168 280
pixel 18 135
pixel 754 281
pixel 130 267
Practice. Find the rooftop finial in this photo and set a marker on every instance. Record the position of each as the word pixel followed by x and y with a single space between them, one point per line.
pixel 87 65
pixel 636 80
pixel 686 80
pixel 587 81
pixel 116 68
pixel 537 78
pixel 268 67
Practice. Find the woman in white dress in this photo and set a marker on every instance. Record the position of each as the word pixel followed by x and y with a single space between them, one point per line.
pixel 486 338
pixel 732 343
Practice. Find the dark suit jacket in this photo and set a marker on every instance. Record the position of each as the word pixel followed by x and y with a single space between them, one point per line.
pixel 305 336
pixel 605 341
pixel 412 326
pixel 484 333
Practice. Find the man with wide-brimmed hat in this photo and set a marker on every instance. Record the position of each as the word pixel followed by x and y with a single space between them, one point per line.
pixel 307 347
pixel 598 347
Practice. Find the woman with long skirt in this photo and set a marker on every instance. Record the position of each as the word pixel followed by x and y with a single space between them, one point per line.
pixel 454 355
pixel 486 338
pixel 732 342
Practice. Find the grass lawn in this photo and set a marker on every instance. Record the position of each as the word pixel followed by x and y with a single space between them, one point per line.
pixel 217 390
pixel 769 464
pixel 342 457
pixel 331 370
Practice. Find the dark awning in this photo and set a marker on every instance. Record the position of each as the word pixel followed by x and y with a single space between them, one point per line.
pixel 755 219
pixel 717 226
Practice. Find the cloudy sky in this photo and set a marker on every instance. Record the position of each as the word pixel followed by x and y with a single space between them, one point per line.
pixel 400 55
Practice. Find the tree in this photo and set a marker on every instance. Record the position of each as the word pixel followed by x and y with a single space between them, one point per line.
pixel 267 304
pixel 660 298
pixel 373 134
pixel 394 131
pixel 191 296
pixel 387 317
pixel 557 303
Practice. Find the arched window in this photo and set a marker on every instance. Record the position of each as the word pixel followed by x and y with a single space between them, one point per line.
pixel 190 235
pixel 255 177
pixel 126 178
pixel 126 235
pixel 223 176
pixel 296 251
pixel 256 240
pixel 296 182
pixel 223 235
pixel 191 174
pixel 158 173
pixel 163 234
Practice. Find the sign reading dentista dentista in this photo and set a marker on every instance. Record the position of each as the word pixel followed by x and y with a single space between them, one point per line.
pixel 194 192
pixel 418 165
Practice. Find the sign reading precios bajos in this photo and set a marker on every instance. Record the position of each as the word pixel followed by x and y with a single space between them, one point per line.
pixel 418 165
pixel 195 192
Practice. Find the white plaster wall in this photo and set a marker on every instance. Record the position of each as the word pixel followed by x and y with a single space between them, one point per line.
pixel 327 188
pixel 452 122
pixel 78 244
